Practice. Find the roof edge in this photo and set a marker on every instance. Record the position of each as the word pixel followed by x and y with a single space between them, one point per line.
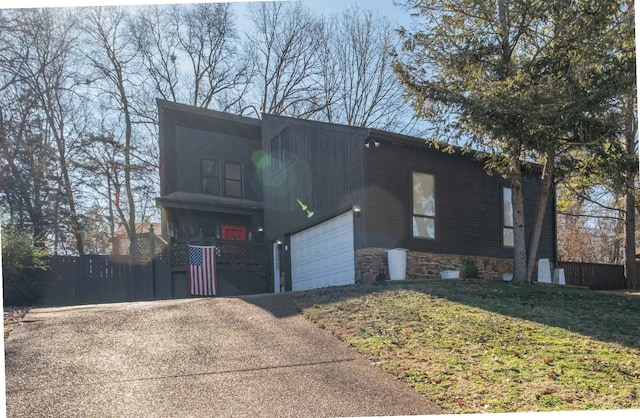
pixel 209 113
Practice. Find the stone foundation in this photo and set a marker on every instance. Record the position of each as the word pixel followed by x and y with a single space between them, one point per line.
pixel 372 265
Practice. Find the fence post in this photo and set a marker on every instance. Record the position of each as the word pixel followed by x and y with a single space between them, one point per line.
pixel 152 239
pixel 131 278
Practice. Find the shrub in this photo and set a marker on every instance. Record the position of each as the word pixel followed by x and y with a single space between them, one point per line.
pixel 21 262
pixel 469 270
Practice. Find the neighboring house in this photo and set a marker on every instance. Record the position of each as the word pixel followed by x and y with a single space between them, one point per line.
pixel 329 200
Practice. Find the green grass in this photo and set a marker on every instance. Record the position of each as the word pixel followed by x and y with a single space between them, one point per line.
pixel 492 347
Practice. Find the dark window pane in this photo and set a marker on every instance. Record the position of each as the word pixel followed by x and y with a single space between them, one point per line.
pixel 424 206
pixel 209 168
pixel 424 227
pixel 507 237
pixel 424 202
pixel 210 185
pixel 233 188
pixel 284 146
pixel 276 161
pixel 507 207
pixel 233 171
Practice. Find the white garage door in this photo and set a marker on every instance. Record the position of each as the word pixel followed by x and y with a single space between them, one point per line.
pixel 323 255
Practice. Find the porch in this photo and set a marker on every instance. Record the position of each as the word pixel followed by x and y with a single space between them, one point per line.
pixel 242 267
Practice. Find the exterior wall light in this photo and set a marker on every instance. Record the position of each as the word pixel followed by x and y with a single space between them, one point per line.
pixel 368 142
pixel 279 242
pixel 356 209
pixel 260 229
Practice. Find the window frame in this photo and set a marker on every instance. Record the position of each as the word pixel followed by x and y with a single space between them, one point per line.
pixel 204 176
pixel 505 224
pixel 415 215
pixel 239 181
pixel 280 149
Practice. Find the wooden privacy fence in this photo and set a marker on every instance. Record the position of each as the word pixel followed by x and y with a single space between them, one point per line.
pixel 242 268
pixel 96 279
pixel 594 276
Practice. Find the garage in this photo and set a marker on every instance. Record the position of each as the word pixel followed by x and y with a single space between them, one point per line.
pixel 323 255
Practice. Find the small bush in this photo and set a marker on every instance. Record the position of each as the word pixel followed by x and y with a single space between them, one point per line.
pixel 469 270
pixel 21 262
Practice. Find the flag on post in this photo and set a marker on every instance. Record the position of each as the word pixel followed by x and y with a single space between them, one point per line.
pixel 202 270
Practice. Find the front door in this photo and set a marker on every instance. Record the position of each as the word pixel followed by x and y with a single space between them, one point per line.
pixel 232 232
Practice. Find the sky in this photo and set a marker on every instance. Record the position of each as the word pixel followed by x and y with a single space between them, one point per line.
pixel 387 8
pixel 395 14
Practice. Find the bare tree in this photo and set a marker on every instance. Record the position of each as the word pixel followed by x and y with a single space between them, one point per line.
pixel 39 53
pixel 102 165
pixel 589 231
pixel 152 31
pixel 191 53
pixel 116 62
pixel 285 45
pixel 157 42
pixel 28 169
pixel 360 86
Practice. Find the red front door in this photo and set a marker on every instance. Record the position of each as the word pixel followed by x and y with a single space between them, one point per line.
pixel 237 233
pixel 234 233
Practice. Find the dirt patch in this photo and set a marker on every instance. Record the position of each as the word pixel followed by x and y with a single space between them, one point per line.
pixel 622 292
pixel 12 317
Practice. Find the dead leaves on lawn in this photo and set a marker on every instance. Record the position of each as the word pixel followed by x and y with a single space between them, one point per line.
pixel 483 348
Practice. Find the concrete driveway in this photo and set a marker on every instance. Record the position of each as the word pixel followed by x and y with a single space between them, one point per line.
pixel 253 356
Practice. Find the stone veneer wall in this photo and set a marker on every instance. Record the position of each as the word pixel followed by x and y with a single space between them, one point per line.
pixel 372 265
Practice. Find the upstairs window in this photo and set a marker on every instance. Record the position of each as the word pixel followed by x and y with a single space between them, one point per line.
pixel 280 150
pixel 507 218
pixel 424 206
pixel 210 176
pixel 233 179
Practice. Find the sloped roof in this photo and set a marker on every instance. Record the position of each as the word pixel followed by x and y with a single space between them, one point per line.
pixel 212 120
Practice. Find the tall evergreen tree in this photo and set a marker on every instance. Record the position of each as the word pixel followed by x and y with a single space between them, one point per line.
pixel 527 81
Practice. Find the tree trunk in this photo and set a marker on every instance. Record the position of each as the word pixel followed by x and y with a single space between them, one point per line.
pixel 133 247
pixel 631 129
pixel 536 228
pixel 73 214
pixel 519 243
pixel 630 240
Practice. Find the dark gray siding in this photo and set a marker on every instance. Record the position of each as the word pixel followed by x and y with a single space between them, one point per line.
pixel 188 133
pixel 468 203
pixel 195 144
pixel 325 172
pixel 168 153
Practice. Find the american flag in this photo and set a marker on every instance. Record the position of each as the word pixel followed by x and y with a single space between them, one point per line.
pixel 202 270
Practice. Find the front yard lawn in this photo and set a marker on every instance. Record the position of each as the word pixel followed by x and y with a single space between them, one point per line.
pixel 492 347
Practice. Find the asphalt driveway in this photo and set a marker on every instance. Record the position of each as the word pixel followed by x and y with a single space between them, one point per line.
pixel 253 356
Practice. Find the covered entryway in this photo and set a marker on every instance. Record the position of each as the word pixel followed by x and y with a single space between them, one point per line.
pixel 323 255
